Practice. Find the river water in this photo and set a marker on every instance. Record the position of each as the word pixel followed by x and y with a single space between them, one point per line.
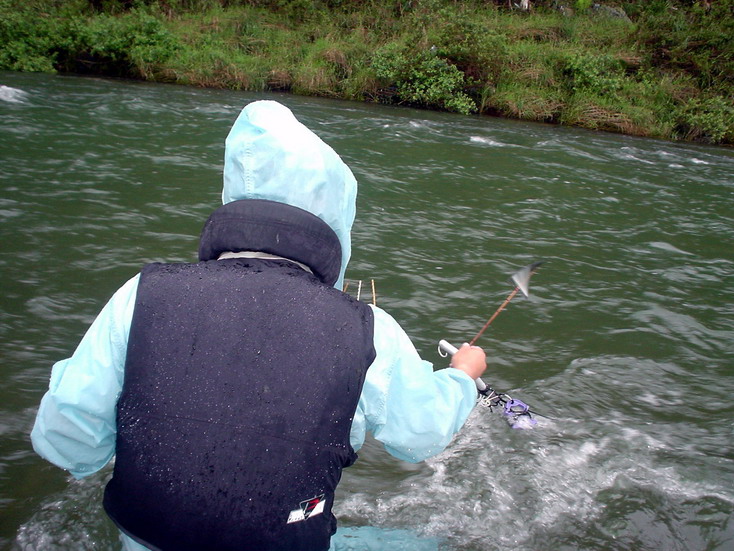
pixel 626 342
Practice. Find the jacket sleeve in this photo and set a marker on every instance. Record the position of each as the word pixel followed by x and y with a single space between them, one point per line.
pixel 412 409
pixel 75 425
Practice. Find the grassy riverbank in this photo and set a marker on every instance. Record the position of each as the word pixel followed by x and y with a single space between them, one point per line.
pixel 658 68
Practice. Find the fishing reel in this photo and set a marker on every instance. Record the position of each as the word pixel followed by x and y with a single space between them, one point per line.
pixel 516 412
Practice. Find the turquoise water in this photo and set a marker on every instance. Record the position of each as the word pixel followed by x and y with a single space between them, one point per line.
pixel 626 341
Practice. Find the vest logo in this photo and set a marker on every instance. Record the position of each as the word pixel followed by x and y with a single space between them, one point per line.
pixel 308 508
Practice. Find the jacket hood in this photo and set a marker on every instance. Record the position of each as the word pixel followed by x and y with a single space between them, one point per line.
pixel 270 155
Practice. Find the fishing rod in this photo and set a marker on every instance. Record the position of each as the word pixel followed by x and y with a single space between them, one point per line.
pixel 517 413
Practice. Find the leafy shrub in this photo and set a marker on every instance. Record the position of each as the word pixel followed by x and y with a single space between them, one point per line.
pixel 710 120
pixel 25 41
pixel 132 44
pixel 464 38
pixel 422 79
pixel 600 75
pixel 128 45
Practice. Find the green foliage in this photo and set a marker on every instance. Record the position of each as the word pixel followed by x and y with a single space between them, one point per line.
pixel 422 78
pixel 129 45
pixel 697 40
pixel 710 119
pixel 466 40
pixel 25 43
pixel 599 74
pixel 582 5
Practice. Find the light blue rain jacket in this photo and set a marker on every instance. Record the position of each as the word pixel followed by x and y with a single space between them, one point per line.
pixel 411 409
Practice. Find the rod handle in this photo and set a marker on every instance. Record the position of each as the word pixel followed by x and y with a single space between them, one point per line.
pixel 446 348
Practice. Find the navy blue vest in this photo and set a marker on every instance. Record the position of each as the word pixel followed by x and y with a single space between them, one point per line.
pixel 241 382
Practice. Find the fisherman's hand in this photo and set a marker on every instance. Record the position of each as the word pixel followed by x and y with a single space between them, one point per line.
pixel 471 360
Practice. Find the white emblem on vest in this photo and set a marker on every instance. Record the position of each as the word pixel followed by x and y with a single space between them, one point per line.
pixel 308 508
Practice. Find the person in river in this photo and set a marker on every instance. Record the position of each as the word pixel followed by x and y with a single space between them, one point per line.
pixel 234 390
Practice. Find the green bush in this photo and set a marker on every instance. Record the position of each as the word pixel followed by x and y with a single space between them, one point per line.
pixel 128 45
pixel 598 74
pixel 25 40
pixel 470 45
pixel 710 120
pixel 133 44
pixel 422 79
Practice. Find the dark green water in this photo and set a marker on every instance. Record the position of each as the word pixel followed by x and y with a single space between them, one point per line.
pixel 627 339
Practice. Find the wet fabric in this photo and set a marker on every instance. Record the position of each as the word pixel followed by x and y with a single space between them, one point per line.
pixel 412 409
pixel 215 447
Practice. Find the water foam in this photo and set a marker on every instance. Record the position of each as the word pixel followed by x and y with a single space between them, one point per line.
pixel 488 141
pixel 71 520
pixel 12 95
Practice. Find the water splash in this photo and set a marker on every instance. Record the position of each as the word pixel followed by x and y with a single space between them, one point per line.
pixel 12 95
